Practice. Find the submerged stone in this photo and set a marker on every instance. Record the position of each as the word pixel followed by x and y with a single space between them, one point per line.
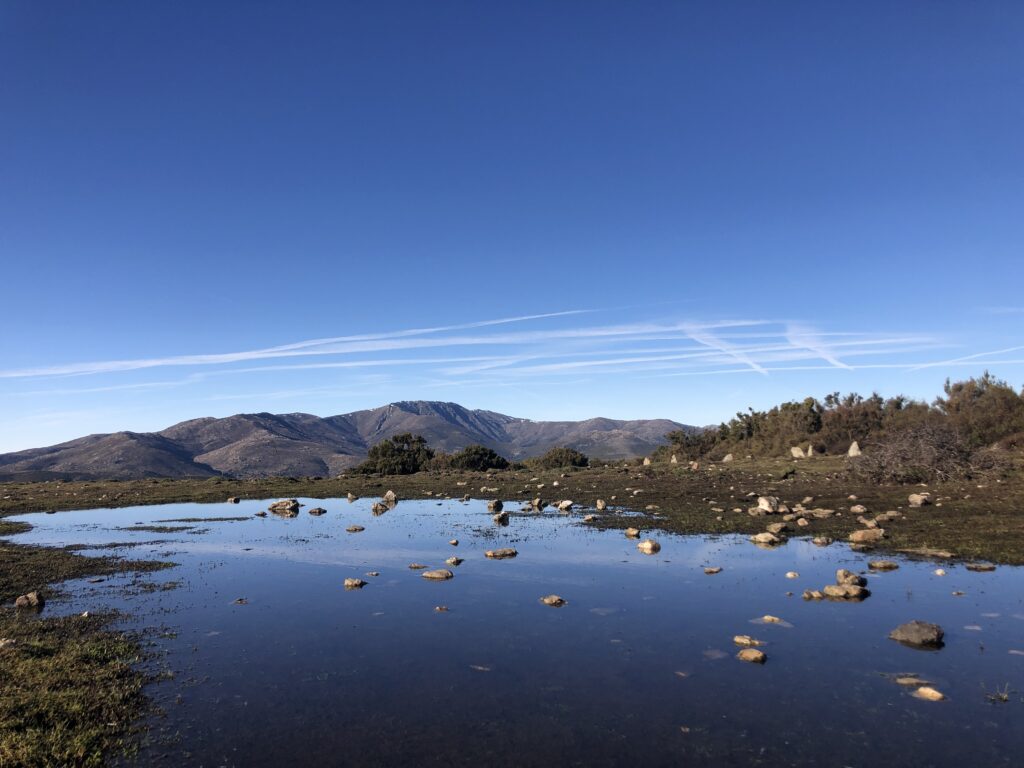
pixel 918 634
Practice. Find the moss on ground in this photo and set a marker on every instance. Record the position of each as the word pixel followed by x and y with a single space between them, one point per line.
pixel 70 687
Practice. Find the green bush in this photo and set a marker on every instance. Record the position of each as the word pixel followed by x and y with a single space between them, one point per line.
pixel 477 458
pixel 560 457
pixel 398 455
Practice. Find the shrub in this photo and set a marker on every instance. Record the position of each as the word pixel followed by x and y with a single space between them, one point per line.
pixel 916 455
pixel 562 456
pixel 477 458
pixel 398 455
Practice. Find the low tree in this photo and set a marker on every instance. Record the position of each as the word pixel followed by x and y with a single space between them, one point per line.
pixel 562 456
pixel 402 454
pixel 477 458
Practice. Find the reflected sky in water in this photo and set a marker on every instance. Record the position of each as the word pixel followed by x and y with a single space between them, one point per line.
pixel 639 666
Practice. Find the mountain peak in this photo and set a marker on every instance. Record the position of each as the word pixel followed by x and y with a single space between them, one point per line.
pixel 301 444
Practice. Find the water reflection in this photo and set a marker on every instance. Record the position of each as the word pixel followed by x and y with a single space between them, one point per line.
pixel 639 666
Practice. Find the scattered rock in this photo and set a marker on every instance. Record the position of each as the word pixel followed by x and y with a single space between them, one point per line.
pixel 939 572
pixel 854 449
pixel 844 576
pixel 456 561
pixel 777 528
pixel 565 506
pixel 589 518
pixel 354 583
pixel 233 499
pixel 813 594
pixel 454 542
pixel 711 571
pixel 918 634
pixel 240 601
pixel 355 528
pixel 600 505
pixel 285 508
pixel 859 509
pixel 351 497
pixel 501 518
pixel 867 536
pixel 31 600
pixel 553 600
pixel 261 514
pixel 845 592
pixel 390 498
pixel 752 656
pixel 495 505
pixel 792 575
pixel 500 554
pixel 647 461
pixel 649 546
pixel 416 566
pixel 769 504
pixel 980 567
pixel 441 574
pixel 746 640
pixel 883 565
pixel 821 541
pixel 919 499
pixel 928 693
pixel 373 574
pixel 797 453
pixel 317 511
pixel 728 457
pixel 441 609
pixel 632 533
pixel 769 619
pixel 766 539
pixel 379 508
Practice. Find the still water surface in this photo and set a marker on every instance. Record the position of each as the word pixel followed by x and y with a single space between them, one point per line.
pixel 638 668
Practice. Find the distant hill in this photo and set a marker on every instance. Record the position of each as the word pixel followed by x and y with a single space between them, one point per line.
pixel 300 444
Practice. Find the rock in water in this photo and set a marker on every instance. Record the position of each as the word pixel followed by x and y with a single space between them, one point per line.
pixel 500 554
pixel 354 583
pixel 883 565
pixel 456 561
pixel 31 600
pixel 766 538
pixel 752 656
pixel 495 505
pixel 928 693
pixel 649 546
pixel 632 533
pixel 233 499
pixel 441 574
pixel 712 570
pixel 355 528
pixel 600 505
pixel 501 518
pixel 867 536
pixel 553 600
pixel 746 640
pixel 317 511
pixel 918 634
pixel 390 498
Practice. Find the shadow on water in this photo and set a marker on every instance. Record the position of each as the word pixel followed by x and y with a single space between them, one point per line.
pixel 638 667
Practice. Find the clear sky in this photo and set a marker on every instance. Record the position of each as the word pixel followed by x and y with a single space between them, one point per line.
pixel 674 209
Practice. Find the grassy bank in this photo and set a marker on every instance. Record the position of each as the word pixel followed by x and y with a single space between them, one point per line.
pixel 70 688
pixel 982 518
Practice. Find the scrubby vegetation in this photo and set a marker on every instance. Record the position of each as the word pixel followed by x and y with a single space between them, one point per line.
pixel 477 458
pixel 560 457
pixel 903 439
pixel 403 454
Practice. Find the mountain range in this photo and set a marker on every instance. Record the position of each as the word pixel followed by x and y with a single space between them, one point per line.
pixel 300 444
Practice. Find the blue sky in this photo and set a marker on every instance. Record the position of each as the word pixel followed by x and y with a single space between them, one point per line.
pixel 549 209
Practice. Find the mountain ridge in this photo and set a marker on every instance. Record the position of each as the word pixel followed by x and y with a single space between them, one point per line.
pixel 301 444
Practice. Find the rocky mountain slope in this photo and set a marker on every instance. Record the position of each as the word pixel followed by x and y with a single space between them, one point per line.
pixel 301 444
